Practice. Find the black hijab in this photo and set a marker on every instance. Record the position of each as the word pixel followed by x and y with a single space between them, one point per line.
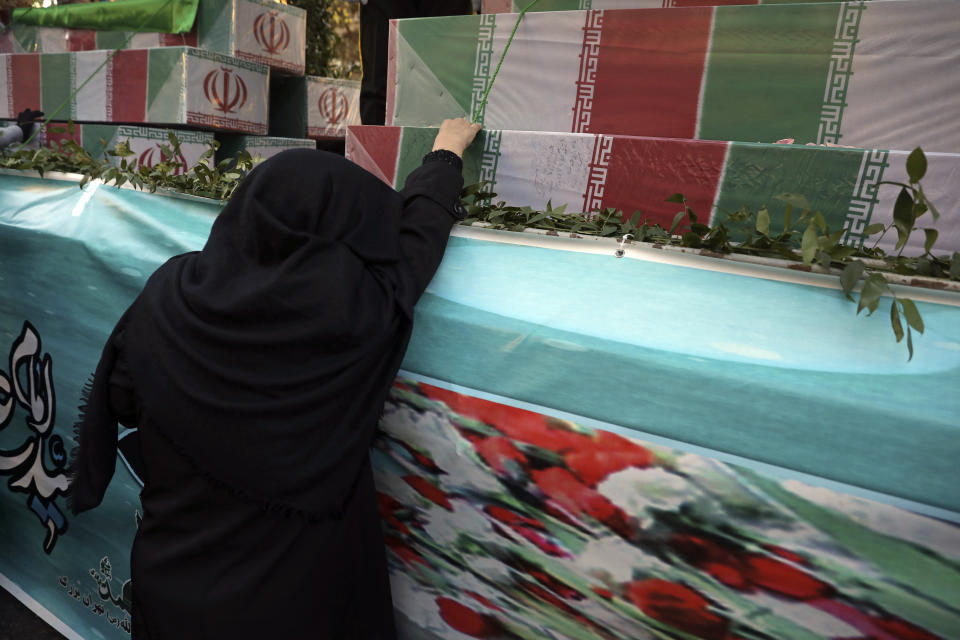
pixel 266 357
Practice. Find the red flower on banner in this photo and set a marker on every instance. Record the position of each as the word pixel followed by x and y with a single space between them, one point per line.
pixel 606 594
pixel 529 528
pixel 678 606
pixel 563 487
pixel 466 620
pixel 562 589
pixel 388 507
pixel 747 571
pixel 606 454
pixel 429 491
pixel 518 424
pixel 786 554
pixel 423 459
pixel 882 627
pixel 512 518
pixel 405 553
pixel 497 451
pixel 784 579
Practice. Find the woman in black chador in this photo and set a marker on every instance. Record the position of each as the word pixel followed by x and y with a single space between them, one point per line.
pixel 256 370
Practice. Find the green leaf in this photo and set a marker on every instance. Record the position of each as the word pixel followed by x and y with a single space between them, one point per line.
pixel 693 216
pixel 873 287
pixel 808 245
pixel 903 213
pixel 911 313
pixel 916 165
pixel 786 218
pixel 954 273
pixel 676 221
pixel 933 209
pixel 820 221
pixel 677 197
pixel 829 241
pixel 895 321
pixel 931 239
pixel 763 221
pixel 871 229
pixel 699 228
pixel 850 276
pixel 909 344
pixel 841 253
pixel 793 199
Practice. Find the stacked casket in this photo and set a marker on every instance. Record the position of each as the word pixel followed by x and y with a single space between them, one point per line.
pixel 236 68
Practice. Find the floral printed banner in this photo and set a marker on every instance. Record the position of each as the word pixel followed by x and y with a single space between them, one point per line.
pixel 505 523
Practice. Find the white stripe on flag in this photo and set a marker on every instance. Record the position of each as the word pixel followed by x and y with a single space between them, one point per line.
pixel 535 67
pixel 6 87
pixel 940 187
pixel 703 77
pixel 91 101
pixel 53 40
pixel 904 89
pixel 547 166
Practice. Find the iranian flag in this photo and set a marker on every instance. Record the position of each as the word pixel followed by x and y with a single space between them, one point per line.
pixel 515 6
pixel 588 172
pixel 169 85
pixel 882 74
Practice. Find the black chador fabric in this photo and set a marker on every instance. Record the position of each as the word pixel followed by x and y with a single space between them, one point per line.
pixel 265 358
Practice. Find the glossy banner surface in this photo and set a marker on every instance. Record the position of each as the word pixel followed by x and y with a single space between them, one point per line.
pixel 579 446
pixel 867 74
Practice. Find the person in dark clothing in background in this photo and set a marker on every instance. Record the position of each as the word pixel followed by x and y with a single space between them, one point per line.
pixel 256 371
pixel 375 16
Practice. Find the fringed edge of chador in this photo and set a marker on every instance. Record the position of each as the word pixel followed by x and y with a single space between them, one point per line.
pixel 267 506
pixel 75 451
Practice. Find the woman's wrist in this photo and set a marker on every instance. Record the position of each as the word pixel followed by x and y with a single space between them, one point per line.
pixel 445 155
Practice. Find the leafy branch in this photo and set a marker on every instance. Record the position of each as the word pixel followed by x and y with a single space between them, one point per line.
pixel 804 238
pixel 204 179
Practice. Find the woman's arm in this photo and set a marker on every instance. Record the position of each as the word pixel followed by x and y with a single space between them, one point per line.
pixel 432 206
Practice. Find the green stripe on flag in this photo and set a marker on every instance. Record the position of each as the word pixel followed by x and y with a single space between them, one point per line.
pixel 56 80
pixel 416 142
pixel 164 87
pixel 756 173
pixel 448 49
pixel 766 72
pixel 112 39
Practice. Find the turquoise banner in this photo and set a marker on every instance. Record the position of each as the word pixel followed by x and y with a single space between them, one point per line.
pixel 577 442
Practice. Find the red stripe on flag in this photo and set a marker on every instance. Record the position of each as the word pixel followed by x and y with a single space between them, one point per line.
pixel 24 81
pixel 81 39
pixel 58 133
pixel 643 172
pixel 380 146
pixel 129 94
pixel 707 3
pixel 648 73
pixel 188 39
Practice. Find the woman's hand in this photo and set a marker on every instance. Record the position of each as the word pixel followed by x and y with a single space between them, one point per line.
pixel 456 135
